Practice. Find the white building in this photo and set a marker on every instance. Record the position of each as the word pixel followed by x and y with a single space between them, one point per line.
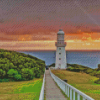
pixel 60 51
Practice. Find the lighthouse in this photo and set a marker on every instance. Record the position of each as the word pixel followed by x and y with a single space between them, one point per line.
pixel 60 51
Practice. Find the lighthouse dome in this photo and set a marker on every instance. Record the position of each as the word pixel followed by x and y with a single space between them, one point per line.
pixel 60 31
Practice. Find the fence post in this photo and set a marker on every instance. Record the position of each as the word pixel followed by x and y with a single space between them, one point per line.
pixel 68 91
pixel 42 89
pixel 78 97
pixel 70 94
pixel 73 95
pixel 84 99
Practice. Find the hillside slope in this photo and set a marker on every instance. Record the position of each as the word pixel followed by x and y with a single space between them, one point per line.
pixel 19 66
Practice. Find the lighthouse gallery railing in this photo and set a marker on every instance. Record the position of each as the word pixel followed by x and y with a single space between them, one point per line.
pixel 69 90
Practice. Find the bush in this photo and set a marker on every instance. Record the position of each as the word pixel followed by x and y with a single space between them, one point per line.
pixel 89 71
pixel 98 74
pixel 5 67
pixel 73 69
pixel 82 69
pixel 4 80
pixel 11 73
pixel 97 81
pixel 27 74
pixel 11 66
pixel 93 73
pixel 37 72
pixel 17 77
pixel 98 66
pixel 2 73
pixel 76 70
pixel 69 68
pixel 21 66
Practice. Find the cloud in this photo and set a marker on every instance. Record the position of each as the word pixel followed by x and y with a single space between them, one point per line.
pixel 1 21
pixel 95 30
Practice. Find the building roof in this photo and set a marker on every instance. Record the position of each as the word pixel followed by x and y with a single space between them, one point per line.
pixel 60 31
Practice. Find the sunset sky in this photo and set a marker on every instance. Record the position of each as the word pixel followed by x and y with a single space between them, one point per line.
pixel 33 24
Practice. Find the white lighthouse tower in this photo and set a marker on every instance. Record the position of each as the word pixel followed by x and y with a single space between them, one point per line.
pixel 60 51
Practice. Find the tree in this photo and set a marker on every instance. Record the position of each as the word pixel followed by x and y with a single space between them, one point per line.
pixel 18 77
pixel 11 73
pixel 27 74
pixel 37 72
pixel 93 73
pixel 27 65
pixel 98 66
pixel 2 73
pixel 5 67
pixel 21 66
pixel 89 71
pixel 98 74
pixel 11 66
pixel 82 69
pixel 14 65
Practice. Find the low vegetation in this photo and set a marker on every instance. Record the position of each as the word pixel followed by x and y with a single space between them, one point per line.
pixel 22 90
pixel 16 66
pixel 87 70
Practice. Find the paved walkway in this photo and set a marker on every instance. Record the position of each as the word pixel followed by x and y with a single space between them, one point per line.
pixel 52 91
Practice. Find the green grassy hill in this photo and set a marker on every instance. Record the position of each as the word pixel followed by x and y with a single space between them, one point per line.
pixel 16 66
pixel 85 69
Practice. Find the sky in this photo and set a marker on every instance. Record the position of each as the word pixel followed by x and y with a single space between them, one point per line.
pixel 33 24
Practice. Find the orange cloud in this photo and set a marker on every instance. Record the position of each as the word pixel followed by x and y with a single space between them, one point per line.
pixel 48 45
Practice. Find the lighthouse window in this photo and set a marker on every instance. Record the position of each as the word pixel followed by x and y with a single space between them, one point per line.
pixel 59 48
pixel 59 58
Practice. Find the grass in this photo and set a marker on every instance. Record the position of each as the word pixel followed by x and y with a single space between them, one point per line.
pixel 24 90
pixel 82 81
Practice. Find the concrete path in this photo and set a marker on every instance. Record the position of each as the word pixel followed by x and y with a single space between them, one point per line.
pixel 52 91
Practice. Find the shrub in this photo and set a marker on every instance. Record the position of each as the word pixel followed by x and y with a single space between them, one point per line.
pixel 93 73
pixel 5 67
pixel 11 73
pixel 73 69
pixel 21 66
pixel 11 66
pixel 2 73
pixel 76 70
pixel 98 74
pixel 97 81
pixel 82 69
pixel 98 66
pixel 17 77
pixel 4 80
pixel 27 73
pixel 69 68
pixel 89 71
pixel 37 72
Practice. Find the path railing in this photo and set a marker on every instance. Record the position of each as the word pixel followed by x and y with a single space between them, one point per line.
pixel 70 91
pixel 42 89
